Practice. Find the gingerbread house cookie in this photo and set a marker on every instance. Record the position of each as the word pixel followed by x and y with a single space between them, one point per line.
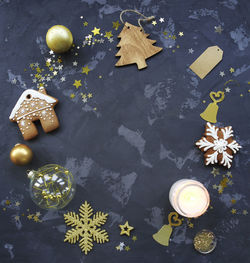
pixel 218 145
pixel 32 106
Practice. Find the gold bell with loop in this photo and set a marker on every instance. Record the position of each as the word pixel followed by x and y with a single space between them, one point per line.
pixel 210 113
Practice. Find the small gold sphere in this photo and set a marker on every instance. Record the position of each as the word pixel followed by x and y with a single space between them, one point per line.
pixel 59 39
pixel 21 154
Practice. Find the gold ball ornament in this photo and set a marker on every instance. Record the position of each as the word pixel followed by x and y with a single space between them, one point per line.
pixel 59 39
pixel 21 154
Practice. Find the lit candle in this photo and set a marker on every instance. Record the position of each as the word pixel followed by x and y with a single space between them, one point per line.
pixel 189 198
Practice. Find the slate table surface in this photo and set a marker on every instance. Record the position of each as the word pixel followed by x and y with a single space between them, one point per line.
pixel 126 153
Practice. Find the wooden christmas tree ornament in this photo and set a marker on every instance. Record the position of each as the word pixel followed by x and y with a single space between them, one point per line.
pixel 134 45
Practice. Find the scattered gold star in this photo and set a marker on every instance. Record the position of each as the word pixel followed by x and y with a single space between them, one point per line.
pixel 4 209
pixel 90 95
pixel 233 211
pixel 191 225
pixel 38 214
pixel 178 46
pixel 233 201
pixel 215 172
pixel 181 34
pixel 118 248
pixel 244 212
pixel 100 77
pixel 7 202
pixel 127 248
pixel 83 96
pixel 173 50
pixel 85 70
pixel 218 29
pixel 154 23
pixel 31 65
pixel 85 23
pixel 204 101
pixel 72 95
pixel 215 186
pixel 173 37
pixel 134 238
pixel 231 70
pixel 30 216
pixel 229 174
pixel 17 203
pixel 116 24
pixel 59 60
pixel 125 229
pixel 36 218
pixel 241 95
pixel 77 83
pixel 17 218
pixel 96 31
pixel 108 35
pixel 165 33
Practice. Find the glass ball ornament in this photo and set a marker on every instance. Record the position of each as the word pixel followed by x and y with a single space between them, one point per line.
pixel 51 186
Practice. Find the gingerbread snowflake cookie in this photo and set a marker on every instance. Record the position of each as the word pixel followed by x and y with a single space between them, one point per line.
pixel 32 106
pixel 218 145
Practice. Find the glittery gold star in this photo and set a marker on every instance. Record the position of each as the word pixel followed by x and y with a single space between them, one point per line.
pixel 181 34
pixel 116 24
pixel 108 35
pixel 134 238
pixel 59 60
pixel 77 83
pixel 229 174
pixel 38 214
pixel 31 65
pixel 17 203
pixel 90 95
pixel 96 31
pixel 165 33
pixel 85 70
pixel 127 248
pixel 17 218
pixel 118 248
pixel 215 172
pixel 154 23
pixel 233 211
pixel 244 212
pixel 231 70
pixel 30 216
pixel 7 202
pixel 72 95
pixel 191 225
pixel 36 219
pixel 218 29
pixel 173 37
pixel 85 23
pixel 125 229
pixel 215 186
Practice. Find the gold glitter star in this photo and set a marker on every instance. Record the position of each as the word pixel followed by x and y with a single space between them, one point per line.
pixel 116 25
pixel 100 77
pixel 85 70
pixel 72 95
pixel 38 214
pixel 181 34
pixel 90 95
pixel 233 201
pixel 244 212
pixel 36 219
pixel 29 216
pixel 108 35
pixel 17 218
pixel 231 70
pixel 215 172
pixel 191 225
pixel 154 23
pixel 96 31
pixel 31 65
pixel 173 37
pixel 118 248
pixel 241 95
pixel 17 203
pixel 7 202
pixel 127 248
pixel 218 29
pixel 77 83
pixel 229 174
pixel 215 186
pixel 165 33
pixel 125 229
pixel 134 238
pixel 85 23
pixel 233 211
pixel 59 60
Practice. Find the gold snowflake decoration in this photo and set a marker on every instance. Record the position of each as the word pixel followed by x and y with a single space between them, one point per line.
pixel 85 227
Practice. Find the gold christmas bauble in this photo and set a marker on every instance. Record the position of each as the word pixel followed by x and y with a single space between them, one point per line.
pixel 59 39
pixel 21 154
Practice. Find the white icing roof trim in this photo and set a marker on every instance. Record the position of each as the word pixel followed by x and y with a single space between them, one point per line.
pixel 34 94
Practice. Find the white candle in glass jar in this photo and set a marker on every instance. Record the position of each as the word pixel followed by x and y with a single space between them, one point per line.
pixel 189 198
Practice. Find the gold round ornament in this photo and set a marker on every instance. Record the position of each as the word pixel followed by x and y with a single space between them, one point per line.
pixel 21 154
pixel 51 186
pixel 59 39
pixel 205 241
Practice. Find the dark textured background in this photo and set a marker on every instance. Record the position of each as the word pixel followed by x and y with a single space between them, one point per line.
pixel 127 153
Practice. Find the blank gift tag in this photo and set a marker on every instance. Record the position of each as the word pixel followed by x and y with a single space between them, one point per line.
pixel 207 61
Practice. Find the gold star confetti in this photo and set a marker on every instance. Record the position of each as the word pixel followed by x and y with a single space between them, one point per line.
pixel 241 95
pixel 233 201
pixel 17 218
pixel 173 37
pixel 116 25
pixel 215 172
pixel 96 31
pixel 85 23
pixel 118 248
pixel 100 77
pixel 59 60
pixel 125 229
pixel 215 186
pixel 165 33
pixel 77 83
pixel 191 225
pixel 181 34
pixel 30 216
pixel 154 23
pixel 233 211
pixel 17 203
pixel 134 238
pixel 38 214
pixel 90 95
pixel 231 70
pixel 127 248
pixel 85 70
pixel 108 35
pixel 218 29
pixel 229 174
pixel 7 202
pixel 72 95
pixel 36 218
pixel 244 212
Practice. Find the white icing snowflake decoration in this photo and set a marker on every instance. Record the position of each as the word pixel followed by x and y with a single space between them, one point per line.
pixel 218 145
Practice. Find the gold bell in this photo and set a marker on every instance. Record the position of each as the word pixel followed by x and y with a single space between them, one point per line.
pixel 163 235
pixel 210 113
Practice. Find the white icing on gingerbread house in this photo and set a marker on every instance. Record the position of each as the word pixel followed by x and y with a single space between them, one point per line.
pixel 34 105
